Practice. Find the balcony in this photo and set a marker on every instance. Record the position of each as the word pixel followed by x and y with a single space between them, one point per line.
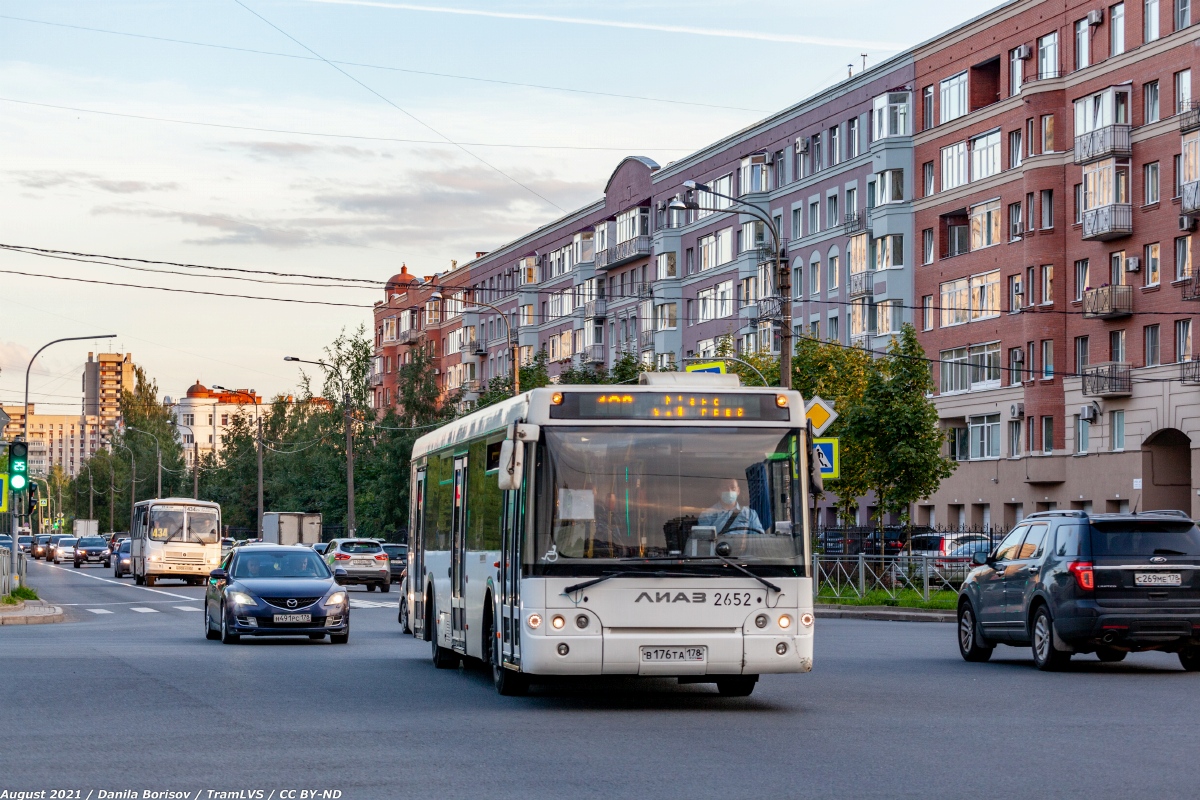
pixel 1191 198
pixel 596 309
pixel 409 336
pixel 375 379
pixel 861 283
pixel 623 252
pixel 1189 118
pixel 1110 379
pixel 862 340
pixel 646 340
pixel 854 223
pixel 1189 372
pixel 592 354
pixel 768 308
pixel 644 291
pixel 1108 302
pixel 1108 222
pixel 1107 142
pixel 471 347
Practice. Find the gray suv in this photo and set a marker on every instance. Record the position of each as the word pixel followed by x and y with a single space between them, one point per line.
pixel 359 561
pixel 1065 582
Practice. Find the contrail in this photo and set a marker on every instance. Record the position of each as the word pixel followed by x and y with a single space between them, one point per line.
pixel 822 41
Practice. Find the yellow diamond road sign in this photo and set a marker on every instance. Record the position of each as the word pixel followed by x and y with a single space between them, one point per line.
pixel 820 413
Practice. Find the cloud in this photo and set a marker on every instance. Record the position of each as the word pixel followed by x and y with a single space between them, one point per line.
pixel 267 151
pixel 52 179
pixel 730 33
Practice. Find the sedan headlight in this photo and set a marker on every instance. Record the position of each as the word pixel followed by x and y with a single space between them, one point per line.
pixel 241 599
pixel 335 599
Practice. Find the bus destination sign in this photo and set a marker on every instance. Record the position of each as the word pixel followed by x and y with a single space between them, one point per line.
pixel 692 406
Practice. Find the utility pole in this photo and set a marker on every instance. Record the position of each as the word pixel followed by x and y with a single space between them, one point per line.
pixel 260 481
pixel 112 497
pixel 350 526
pixel 91 495
pixel 195 469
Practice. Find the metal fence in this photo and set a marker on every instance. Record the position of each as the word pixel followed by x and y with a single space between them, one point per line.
pixel 853 577
pixel 6 586
pixel 854 539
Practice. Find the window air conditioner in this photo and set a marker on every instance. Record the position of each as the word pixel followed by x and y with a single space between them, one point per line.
pixel 1017 288
pixel 1095 17
pixel 1087 413
pixel 802 146
pixel 1024 52
pixel 1133 264
pixel 1187 223
pixel 1016 410
pixel 768 157
pixel 1018 357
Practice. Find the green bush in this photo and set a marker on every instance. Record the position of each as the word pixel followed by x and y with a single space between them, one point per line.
pixel 19 594
pixel 906 598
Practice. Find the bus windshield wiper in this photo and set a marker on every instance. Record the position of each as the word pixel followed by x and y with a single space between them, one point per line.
pixel 723 559
pixel 626 574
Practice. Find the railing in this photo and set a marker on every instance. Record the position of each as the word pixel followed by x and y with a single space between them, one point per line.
pixel 644 291
pixel 646 339
pixel 1108 302
pixel 856 577
pixel 861 283
pixel 1191 287
pixel 768 308
pixel 597 308
pixel 409 336
pixel 1189 372
pixel 1189 118
pixel 375 379
pixel 1111 140
pixel 593 354
pixel 1191 198
pixel 854 222
pixel 862 340
pixel 471 347
pixel 622 252
pixel 6 586
pixel 1108 222
pixel 1110 379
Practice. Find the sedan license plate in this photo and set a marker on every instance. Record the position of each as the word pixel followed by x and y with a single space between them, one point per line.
pixel 1157 579
pixel 293 617
pixel 691 655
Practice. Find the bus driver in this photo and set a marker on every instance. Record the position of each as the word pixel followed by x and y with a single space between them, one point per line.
pixel 727 516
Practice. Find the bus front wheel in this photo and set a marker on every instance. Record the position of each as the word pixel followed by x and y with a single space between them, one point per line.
pixel 508 683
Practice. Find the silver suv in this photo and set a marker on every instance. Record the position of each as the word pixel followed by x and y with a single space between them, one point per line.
pixel 359 561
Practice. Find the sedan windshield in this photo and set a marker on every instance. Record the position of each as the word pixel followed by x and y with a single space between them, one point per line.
pixel 276 564
pixel 607 493
pixel 66 542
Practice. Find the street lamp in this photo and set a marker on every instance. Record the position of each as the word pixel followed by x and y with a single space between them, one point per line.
pixel 350 521
pixel 158 449
pixel 782 276
pixel 132 486
pixel 258 425
pixel 25 426
pixel 195 460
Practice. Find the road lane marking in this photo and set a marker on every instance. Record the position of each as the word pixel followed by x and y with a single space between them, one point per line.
pixel 99 610
pixel 119 583
pixel 185 608
pixel 144 610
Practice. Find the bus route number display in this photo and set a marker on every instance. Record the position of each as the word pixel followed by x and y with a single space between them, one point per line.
pixel 692 406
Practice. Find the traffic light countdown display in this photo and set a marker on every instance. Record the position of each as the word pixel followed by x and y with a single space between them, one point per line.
pixel 18 466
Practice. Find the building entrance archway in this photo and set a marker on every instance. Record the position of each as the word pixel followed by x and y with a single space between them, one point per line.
pixel 1167 471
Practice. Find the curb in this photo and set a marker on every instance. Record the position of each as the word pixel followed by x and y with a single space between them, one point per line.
pixel 883 613
pixel 34 612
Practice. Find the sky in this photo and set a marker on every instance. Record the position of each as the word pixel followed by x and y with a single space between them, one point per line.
pixel 344 138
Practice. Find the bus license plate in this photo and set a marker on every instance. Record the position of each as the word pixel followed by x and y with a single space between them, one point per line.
pixel 1157 579
pixel 293 617
pixel 691 655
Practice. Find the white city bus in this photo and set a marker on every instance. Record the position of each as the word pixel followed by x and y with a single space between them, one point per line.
pixel 175 537
pixel 595 530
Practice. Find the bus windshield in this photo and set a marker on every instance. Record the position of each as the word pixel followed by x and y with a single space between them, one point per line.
pixel 177 524
pixel 688 493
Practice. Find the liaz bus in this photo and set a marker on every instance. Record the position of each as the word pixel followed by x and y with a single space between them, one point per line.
pixel 175 537
pixel 656 530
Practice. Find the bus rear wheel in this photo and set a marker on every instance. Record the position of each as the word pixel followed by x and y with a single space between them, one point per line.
pixel 736 685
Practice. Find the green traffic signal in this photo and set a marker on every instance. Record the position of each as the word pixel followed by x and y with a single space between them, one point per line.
pixel 18 466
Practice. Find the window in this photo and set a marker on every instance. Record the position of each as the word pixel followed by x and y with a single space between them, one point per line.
pixel 852 143
pixel 634 223
pixel 1116 346
pixel 814 217
pixel 1183 14
pixel 1047 358
pixel 985 436
pixel 960 238
pixel 1048 56
pixel 927 245
pixel 889 251
pixel 1082 38
pixel 890 114
pixel 1153 268
pixel 851 201
pixel 1078 203
pixel 716 301
pixel 1150 182
pixel 1014 221
pixel 1082 434
pixel 1150 21
pixel 1048 133
pixel 1047 435
pixel 1183 340
pixel 1048 285
pixel 927 108
pixel 985 296
pixel 1014 149
pixel 833 272
pixel 1150 341
pixel 1015 355
pixel 754 175
pixel 927 174
pixel 1014 292
pixel 1082 278
pixel 1014 438
pixel 1082 354
pixel 1016 72
pixel 953 97
pixel 889 187
pixel 1030 214
pixel 814 274
pixel 665 317
pixel 716 249
pixel 956 302
pixel 831 328
pixel 831 210
pixel 665 266
pixel 985 155
pixel 954 166
pixel 985 366
pixel 927 312
pixel 1047 208
pixel 1183 257
pixel 1150 96
pixel 1116 423
pixel 814 153
pixel 955 371
pixel 1116 268
pixel 985 224
pixel 1183 91
pixel 1116 29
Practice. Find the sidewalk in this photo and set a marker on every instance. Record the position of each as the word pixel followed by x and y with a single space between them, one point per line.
pixel 885 613
pixel 30 612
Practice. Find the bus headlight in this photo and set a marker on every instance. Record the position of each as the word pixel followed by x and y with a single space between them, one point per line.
pixel 241 599
pixel 785 621
pixel 558 622
pixel 761 620
pixel 806 620
pixel 155 557
pixel 534 620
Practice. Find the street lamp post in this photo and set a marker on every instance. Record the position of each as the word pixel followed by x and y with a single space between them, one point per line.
pixel 25 425
pixel 348 423
pixel 259 444
pixel 132 486
pixel 195 460
pixel 158 449
pixel 782 275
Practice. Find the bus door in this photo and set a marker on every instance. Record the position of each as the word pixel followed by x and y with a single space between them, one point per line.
pixel 458 637
pixel 416 558
pixel 510 580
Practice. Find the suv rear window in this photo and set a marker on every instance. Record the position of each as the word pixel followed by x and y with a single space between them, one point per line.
pixel 927 542
pixel 361 547
pixel 1145 538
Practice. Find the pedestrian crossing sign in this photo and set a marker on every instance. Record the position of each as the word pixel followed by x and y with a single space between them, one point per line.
pixel 829 457
pixel 3 492
pixel 707 366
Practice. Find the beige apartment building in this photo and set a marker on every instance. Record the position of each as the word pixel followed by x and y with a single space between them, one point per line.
pixel 63 440
pixel 105 377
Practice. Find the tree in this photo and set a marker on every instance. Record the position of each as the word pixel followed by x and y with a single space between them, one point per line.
pixel 534 375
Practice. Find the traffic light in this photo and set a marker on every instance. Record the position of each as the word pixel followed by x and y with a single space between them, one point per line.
pixel 18 466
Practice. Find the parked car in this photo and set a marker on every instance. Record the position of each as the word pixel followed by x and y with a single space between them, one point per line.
pixel 1066 582
pixel 64 549
pixel 397 560
pixel 275 590
pixel 41 545
pixel 943 544
pixel 92 548
pixel 25 543
pixel 359 561
pixel 120 559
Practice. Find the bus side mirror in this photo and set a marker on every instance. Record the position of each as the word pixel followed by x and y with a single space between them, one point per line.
pixel 512 465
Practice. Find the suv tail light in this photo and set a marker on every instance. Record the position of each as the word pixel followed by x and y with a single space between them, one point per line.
pixel 944 546
pixel 381 557
pixel 340 557
pixel 1082 570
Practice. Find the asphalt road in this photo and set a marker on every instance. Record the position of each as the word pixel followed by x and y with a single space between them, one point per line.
pixel 137 699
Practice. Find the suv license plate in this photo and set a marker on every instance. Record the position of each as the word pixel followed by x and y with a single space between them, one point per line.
pixel 693 655
pixel 1157 579
pixel 293 617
